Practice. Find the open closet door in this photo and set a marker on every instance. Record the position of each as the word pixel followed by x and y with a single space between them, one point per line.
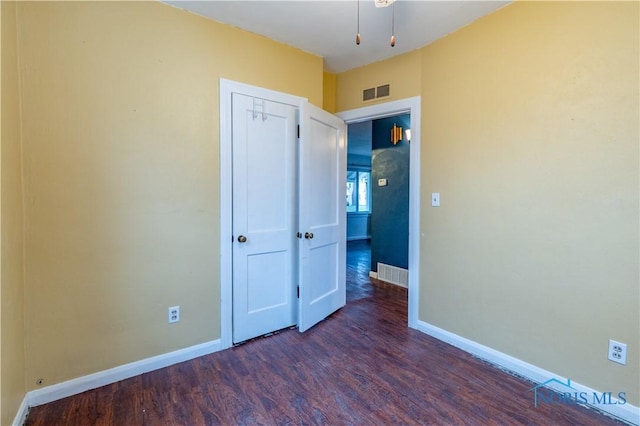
pixel 322 215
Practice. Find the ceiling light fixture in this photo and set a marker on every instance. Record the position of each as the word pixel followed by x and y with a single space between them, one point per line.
pixel 380 3
pixel 383 3
pixel 358 35
pixel 393 21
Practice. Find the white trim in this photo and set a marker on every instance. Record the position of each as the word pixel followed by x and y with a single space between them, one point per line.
pixel 106 377
pixel 373 274
pixel 227 88
pixel 387 109
pixel 626 412
pixel 21 415
pixel 226 222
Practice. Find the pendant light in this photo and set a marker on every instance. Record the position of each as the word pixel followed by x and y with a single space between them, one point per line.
pixel 358 34
pixel 380 3
pixel 393 21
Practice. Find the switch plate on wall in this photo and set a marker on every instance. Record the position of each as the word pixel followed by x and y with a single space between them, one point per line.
pixel 435 199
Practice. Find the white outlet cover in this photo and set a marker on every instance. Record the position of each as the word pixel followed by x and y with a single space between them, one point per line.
pixel 617 352
pixel 173 314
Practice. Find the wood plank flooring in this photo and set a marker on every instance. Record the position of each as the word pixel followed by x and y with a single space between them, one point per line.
pixel 361 366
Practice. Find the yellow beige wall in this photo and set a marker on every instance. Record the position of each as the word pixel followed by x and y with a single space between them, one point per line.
pixel 530 133
pixel 402 73
pixel 121 166
pixel 12 360
pixel 329 92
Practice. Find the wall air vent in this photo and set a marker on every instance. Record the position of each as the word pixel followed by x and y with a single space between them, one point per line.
pixel 393 275
pixel 382 91
pixel 369 94
pixel 376 93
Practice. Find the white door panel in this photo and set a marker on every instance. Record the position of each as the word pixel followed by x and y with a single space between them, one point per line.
pixel 323 175
pixel 264 216
pixel 322 216
pixel 266 274
pixel 326 259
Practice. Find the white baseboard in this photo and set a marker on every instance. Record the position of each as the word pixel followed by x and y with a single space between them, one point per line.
pixel 373 274
pixel 106 377
pixel 625 412
pixel 21 415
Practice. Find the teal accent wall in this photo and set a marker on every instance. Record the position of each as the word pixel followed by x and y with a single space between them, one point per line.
pixel 359 161
pixel 390 204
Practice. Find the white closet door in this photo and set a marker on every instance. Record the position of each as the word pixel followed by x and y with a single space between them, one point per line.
pixel 322 215
pixel 264 172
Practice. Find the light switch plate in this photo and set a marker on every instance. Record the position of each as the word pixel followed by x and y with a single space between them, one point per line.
pixel 435 199
pixel 382 182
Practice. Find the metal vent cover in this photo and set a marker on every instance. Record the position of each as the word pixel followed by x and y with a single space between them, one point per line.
pixel 382 91
pixel 369 94
pixel 372 93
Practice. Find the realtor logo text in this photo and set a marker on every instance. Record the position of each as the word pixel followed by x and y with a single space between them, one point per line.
pixel 543 395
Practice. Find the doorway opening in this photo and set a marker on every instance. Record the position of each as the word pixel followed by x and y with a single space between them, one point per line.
pixel 410 106
pixel 377 204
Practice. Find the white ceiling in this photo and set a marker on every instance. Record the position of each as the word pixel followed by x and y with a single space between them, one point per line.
pixel 328 28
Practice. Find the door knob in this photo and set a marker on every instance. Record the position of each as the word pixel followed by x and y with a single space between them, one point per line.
pixel 308 235
pixel 242 239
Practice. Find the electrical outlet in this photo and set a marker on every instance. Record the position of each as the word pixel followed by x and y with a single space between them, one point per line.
pixel 174 314
pixel 618 352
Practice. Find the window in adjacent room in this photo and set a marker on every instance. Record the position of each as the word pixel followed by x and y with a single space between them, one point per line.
pixel 358 191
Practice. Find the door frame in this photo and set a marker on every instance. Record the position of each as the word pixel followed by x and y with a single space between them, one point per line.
pixel 388 109
pixel 227 87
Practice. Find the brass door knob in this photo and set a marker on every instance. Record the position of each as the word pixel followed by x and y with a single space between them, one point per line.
pixel 242 239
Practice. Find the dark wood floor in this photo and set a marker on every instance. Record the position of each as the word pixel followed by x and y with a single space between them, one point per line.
pixel 361 366
pixel 359 285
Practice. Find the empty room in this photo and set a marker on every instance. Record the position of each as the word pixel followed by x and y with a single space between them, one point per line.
pixel 174 244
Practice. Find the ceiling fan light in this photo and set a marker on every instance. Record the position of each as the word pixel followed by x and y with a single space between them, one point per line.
pixel 393 25
pixel 383 3
pixel 358 26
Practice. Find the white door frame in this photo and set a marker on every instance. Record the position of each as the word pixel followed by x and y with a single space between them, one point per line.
pixel 403 106
pixel 227 87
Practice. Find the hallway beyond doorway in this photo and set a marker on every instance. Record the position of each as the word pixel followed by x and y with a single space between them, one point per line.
pixel 359 284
